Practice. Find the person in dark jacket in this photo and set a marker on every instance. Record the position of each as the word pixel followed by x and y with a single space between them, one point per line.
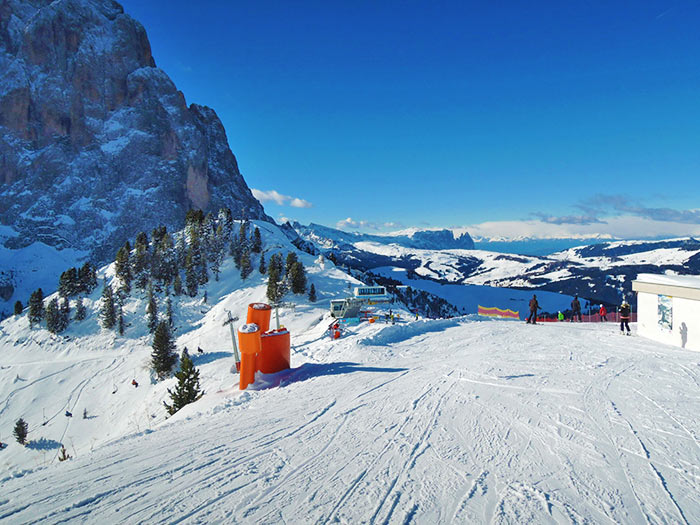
pixel 575 309
pixel 625 314
pixel 533 310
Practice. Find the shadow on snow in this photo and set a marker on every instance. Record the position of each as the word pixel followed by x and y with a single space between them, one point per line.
pixel 312 370
pixel 208 357
pixel 43 444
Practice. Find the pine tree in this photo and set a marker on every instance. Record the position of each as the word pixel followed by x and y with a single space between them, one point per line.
pixel 312 293
pixel 108 313
pixel 169 311
pixel 168 260
pixel 262 268
pixel 36 307
pixel 243 235
pixel 291 259
pixel 163 356
pixel 275 287
pixel 120 321
pixel 122 266
pixel 68 283
pixel 187 389
pixel 208 235
pixel 246 267
pixel 152 311
pixel 21 431
pixel 180 251
pixel 177 285
pixel 276 261
pixel 297 278
pixel 257 242
pixel 191 282
pixel 65 314
pixel 203 275
pixel 18 308
pixel 217 255
pixel 87 279
pixel 226 220
pixel 52 316
pixel 80 310
pixel 141 261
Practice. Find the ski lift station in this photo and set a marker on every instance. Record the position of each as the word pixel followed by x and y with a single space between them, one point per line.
pixel 362 295
pixel 668 309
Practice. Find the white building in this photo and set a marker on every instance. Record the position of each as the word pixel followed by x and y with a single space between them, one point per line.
pixel 668 309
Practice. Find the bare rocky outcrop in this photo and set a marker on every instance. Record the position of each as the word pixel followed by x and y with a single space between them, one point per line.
pixel 96 142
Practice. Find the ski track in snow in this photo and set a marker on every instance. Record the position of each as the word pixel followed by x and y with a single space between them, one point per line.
pixel 492 422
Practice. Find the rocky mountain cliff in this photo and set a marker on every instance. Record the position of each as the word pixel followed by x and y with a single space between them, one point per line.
pixel 96 142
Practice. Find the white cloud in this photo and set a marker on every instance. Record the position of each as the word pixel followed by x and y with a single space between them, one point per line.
pixel 352 224
pixel 299 203
pixel 622 227
pixel 280 199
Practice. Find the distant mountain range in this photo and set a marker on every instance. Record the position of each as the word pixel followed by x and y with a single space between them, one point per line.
pixel 599 273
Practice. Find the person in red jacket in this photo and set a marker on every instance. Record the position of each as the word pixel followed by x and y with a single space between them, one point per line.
pixel 603 313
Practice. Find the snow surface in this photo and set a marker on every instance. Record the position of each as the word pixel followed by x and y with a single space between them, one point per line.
pixel 453 420
pixel 249 328
pixel 684 281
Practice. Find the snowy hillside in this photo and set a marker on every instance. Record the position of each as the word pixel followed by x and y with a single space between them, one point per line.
pixel 88 368
pixel 420 422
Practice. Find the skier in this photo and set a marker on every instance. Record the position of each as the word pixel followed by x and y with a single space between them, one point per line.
pixel 532 319
pixel 68 414
pixel 576 309
pixel 625 317
pixel 133 382
pixel 603 313
pixel 560 316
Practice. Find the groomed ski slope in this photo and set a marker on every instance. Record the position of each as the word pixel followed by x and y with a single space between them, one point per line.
pixel 421 422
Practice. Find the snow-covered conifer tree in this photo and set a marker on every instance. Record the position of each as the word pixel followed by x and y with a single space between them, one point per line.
pixel 187 389
pixel 36 307
pixel 80 310
pixel 108 314
pixel 297 278
pixel 52 316
pixel 21 431
pixel 246 266
pixel 163 356
pixel 257 242
pixel 152 310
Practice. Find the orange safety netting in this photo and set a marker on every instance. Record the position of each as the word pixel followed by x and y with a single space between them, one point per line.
pixel 497 312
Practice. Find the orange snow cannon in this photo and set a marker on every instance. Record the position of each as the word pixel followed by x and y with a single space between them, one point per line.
pixel 249 343
pixel 259 313
pixel 274 355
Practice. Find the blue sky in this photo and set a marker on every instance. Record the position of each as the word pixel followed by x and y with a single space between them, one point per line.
pixel 504 118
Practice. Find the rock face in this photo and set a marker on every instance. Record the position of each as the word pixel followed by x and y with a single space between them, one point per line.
pixel 96 142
